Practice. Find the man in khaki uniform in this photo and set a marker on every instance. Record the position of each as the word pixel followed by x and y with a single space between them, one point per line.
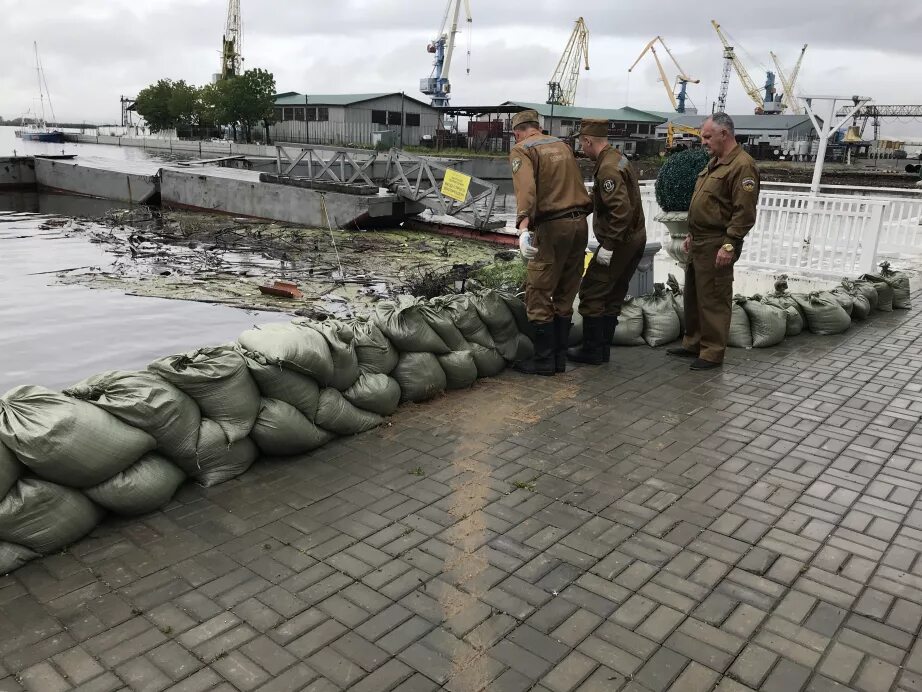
pixel 552 205
pixel 618 225
pixel 722 211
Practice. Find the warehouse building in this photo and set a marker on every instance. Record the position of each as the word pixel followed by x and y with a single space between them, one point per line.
pixel 353 119
pixel 755 130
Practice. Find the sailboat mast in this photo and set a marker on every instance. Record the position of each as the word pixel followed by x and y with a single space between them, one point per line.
pixel 38 75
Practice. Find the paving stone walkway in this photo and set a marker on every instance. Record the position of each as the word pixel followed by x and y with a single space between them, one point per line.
pixel 633 527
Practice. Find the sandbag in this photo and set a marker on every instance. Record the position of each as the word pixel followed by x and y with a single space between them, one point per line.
pixel 377 393
pixel 884 292
pixel 516 306
pixel 275 381
pixel 489 361
pixel 460 369
pixel 342 351
pixel 899 282
pixel 281 430
pixel 148 402
pixel 336 414
pixel 375 353
pixel 660 322
pixel 420 376
pixel 144 487
pixel 740 330
pixel 794 318
pixel 520 348
pixel 575 337
pixel 767 323
pixel 496 315
pixel 216 460
pixel 867 289
pixel 10 470
pixel 294 346
pixel 13 556
pixel 404 325
pixel 823 313
pixel 861 307
pixel 218 380
pixel 440 320
pixel 844 299
pixel 629 331
pixel 678 300
pixel 66 440
pixel 465 317
pixel 45 517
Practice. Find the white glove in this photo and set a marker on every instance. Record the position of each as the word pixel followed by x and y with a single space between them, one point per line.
pixel 603 256
pixel 528 250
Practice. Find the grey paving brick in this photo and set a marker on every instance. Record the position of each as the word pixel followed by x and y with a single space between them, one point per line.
pixel 569 673
pixel 661 670
pixel 787 676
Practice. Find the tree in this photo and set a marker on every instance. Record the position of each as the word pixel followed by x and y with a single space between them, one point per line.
pixel 183 104
pixel 248 99
pixel 153 104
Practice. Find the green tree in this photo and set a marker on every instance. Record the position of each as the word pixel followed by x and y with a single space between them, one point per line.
pixel 183 104
pixel 153 104
pixel 248 99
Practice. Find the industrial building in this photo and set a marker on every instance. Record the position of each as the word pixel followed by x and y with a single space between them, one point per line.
pixel 353 119
pixel 753 129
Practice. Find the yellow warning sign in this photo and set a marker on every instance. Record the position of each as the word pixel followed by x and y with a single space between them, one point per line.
pixel 455 185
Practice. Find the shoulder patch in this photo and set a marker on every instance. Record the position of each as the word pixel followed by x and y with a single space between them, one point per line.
pixel 749 184
pixel 516 165
pixel 608 185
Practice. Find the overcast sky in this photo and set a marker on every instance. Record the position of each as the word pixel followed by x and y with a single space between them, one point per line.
pixel 95 50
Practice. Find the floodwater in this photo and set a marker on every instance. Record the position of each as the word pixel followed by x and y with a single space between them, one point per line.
pixel 55 335
pixel 11 145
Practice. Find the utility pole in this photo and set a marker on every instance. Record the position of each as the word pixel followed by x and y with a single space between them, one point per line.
pixel 825 131
pixel 403 115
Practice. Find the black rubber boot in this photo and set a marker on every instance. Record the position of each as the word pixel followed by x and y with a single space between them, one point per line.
pixel 561 341
pixel 590 351
pixel 542 363
pixel 609 324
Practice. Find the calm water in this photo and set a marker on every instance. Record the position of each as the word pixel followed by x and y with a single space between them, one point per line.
pixel 10 144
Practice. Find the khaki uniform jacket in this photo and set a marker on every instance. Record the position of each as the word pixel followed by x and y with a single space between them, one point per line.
pixel 617 209
pixel 547 180
pixel 725 197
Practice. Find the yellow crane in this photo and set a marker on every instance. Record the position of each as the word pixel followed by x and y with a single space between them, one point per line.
pixel 763 103
pixel 561 89
pixel 788 82
pixel 672 128
pixel 682 79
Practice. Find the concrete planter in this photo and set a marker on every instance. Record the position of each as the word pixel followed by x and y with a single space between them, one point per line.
pixel 677 224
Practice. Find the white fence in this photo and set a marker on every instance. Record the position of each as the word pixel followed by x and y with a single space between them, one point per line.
pixel 829 235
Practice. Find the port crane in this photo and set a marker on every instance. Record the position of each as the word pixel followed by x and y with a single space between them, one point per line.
pixel 437 85
pixel 232 43
pixel 682 80
pixel 788 82
pixel 764 104
pixel 561 89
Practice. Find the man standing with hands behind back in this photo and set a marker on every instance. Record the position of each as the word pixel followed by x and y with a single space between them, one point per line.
pixel 552 205
pixel 722 211
pixel 618 225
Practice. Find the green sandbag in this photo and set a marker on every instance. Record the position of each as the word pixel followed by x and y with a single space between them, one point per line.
pixel 342 351
pixel 678 300
pixel 440 319
pixel 218 380
pixel 46 517
pixel 338 416
pixel 66 440
pixel 216 460
pixel 283 431
pixel 516 306
pixel 499 319
pixel 147 402
pixel 844 299
pixel 375 353
pixel 823 313
pixel 420 376
pixel 629 331
pixel 740 330
pixel 144 487
pixel 768 323
pixel 13 556
pixel 792 314
pixel 489 361
pixel 275 381
pixel 465 317
pixel 404 325
pixel 521 348
pixel 294 346
pixel 867 289
pixel 460 369
pixel 10 470
pixel 884 292
pixel 899 282
pixel 861 307
pixel 575 337
pixel 377 393
pixel 661 324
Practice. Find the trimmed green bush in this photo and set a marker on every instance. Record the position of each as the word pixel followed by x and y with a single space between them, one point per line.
pixel 676 180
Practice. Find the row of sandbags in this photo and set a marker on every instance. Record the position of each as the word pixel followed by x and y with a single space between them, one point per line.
pixel 124 442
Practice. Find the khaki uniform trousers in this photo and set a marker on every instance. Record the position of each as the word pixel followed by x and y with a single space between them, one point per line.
pixel 554 273
pixel 603 288
pixel 708 299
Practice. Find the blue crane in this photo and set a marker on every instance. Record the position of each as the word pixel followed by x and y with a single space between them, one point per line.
pixel 437 85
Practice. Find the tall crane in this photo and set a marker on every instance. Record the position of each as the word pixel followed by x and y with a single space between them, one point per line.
pixel 232 44
pixel 788 82
pixel 437 84
pixel 764 104
pixel 561 89
pixel 682 79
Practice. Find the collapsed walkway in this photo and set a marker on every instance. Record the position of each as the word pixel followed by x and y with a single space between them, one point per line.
pixel 635 527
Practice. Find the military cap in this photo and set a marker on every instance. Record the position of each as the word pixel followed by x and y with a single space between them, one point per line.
pixel 593 127
pixel 524 117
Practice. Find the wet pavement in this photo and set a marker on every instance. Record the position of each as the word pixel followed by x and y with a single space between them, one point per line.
pixel 628 527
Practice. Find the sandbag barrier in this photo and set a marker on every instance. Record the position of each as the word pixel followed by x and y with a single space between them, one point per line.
pixel 124 442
